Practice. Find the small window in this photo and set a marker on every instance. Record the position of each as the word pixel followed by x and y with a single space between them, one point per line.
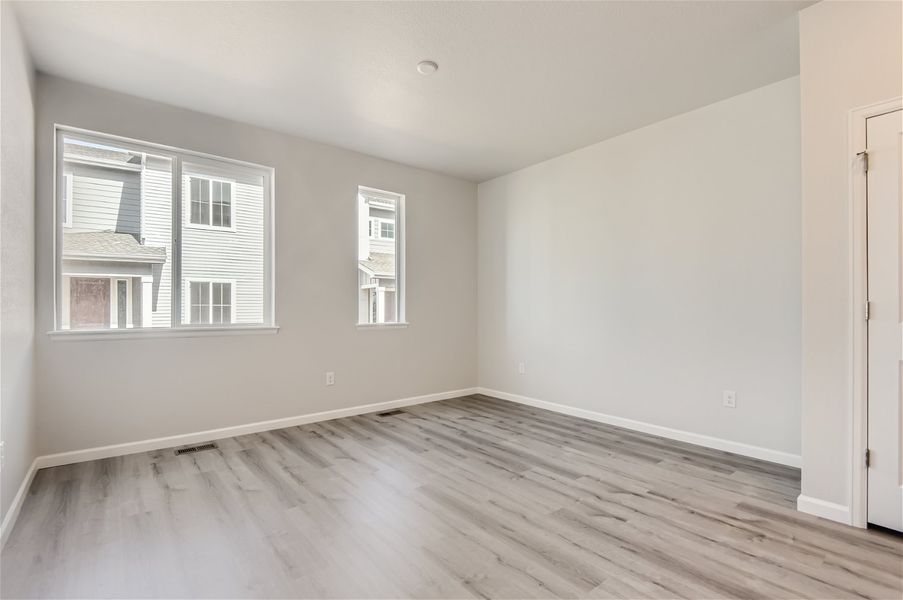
pixel 210 302
pixel 211 202
pixel 380 257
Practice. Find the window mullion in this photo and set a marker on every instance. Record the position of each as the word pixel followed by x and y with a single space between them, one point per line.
pixel 176 296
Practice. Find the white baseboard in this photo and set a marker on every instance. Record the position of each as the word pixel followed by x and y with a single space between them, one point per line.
pixel 65 458
pixel 9 519
pixel 775 456
pixel 824 509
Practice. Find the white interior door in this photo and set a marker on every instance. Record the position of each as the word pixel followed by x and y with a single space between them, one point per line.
pixel 885 332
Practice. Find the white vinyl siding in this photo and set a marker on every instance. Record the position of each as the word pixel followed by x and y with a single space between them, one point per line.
pixel 158 232
pixel 105 199
pixel 223 254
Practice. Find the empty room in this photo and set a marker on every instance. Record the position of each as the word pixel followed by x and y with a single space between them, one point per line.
pixel 446 300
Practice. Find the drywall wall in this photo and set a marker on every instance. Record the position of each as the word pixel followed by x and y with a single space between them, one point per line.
pixel 17 399
pixel 642 276
pixel 850 57
pixel 94 393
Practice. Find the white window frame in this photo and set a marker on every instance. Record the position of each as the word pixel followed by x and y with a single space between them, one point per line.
pixel 67 208
pixel 209 226
pixel 177 328
pixel 400 275
pixel 232 306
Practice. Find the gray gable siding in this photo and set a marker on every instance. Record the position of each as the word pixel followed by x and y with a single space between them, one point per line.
pixel 105 199
pixel 215 254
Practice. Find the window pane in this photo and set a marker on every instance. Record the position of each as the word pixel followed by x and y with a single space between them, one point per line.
pixel 122 308
pixel 233 249
pixel 107 234
pixel 200 201
pixel 377 276
pixel 200 302
pixel 222 204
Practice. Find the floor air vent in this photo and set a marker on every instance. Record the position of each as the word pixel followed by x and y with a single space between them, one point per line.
pixel 190 449
pixel 390 413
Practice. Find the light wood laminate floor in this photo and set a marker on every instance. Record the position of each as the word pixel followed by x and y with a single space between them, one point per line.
pixel 472 497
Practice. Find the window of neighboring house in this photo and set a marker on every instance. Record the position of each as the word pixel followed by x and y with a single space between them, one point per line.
pixel 380 257
pixel 211 202
pixel 381 228
pixel 159 237
pixel 211 302
pixel 67 199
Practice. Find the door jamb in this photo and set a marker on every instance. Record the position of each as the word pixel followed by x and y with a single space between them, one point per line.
pixel 858 297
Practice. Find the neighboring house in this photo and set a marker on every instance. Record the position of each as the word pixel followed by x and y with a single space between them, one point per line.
pixel 117 218
pixel 377 302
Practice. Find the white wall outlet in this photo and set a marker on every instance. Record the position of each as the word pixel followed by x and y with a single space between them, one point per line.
pixel 729 399
pixel 2 454
pixel 521 368
pixel 330 377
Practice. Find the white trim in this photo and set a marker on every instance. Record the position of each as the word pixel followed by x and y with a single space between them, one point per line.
pixel 65 458
pixel 767 454
pixel 9 519
pixel 393 325
pixel 137 145
pixel 159 332
pixel 857 511
pixel 823 509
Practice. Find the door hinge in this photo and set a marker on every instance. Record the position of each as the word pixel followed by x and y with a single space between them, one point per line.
pixel 865 160
pixel 868 458
pixel 868 310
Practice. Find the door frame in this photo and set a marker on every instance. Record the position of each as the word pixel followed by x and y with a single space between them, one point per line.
pixel 858 296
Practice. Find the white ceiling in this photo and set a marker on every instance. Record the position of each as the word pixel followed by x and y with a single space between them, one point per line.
pixel 517 82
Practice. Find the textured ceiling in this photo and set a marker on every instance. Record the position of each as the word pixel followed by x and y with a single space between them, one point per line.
pixel 517 82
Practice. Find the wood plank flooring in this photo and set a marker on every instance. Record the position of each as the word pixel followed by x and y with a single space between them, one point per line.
pixel 472 497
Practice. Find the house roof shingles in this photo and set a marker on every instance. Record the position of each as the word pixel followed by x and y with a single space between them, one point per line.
pixel 109 245
pixel 381 264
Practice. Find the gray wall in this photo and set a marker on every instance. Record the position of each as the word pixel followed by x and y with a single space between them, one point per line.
pixel 107 392
pixel 17 399
pixel 642 276
pixel 850 57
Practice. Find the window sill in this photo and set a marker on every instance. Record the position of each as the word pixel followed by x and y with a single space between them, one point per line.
pixel 175 332
pixel 382 325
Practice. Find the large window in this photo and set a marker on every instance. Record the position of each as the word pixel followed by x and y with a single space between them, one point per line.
pixel 150 237
pixel 380 257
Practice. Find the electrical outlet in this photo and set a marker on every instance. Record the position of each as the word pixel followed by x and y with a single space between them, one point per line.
pixel 2 454
pixel 729 399
pixel 330 377
pixel 521 368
